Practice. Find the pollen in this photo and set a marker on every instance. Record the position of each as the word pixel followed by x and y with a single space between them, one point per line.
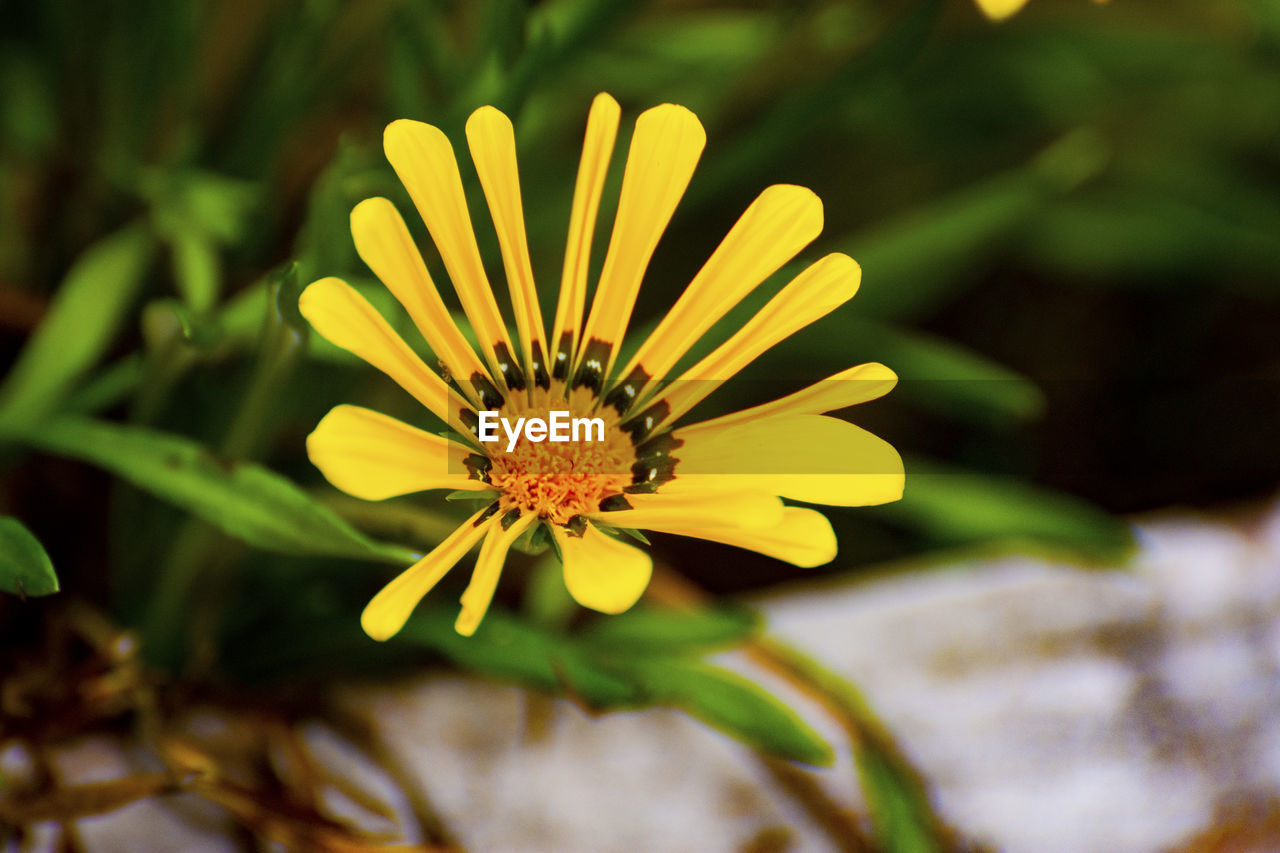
pixel 559 480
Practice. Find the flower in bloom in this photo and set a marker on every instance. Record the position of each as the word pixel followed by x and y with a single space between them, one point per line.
pixel 998 10
pixel 721 479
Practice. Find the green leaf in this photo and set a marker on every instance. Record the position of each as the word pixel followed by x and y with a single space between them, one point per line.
pixel 900 809
pixel 25 568
pixel 509 649
pixel 947 377
pixel 965 508
pixel 896 795
pixel 244 500
pixel 86 313
pixel 913 263
pixel 196 268
pixel 646 629
pixel 733 705
pixel 935 374
pixel 472 496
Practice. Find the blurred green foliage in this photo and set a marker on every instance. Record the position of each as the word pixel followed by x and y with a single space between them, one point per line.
pixel 1054 216
pixel 25 568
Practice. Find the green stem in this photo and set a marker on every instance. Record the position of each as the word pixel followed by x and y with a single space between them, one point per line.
pixel 178 623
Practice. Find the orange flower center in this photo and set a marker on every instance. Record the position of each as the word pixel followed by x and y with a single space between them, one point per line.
pixel 559 479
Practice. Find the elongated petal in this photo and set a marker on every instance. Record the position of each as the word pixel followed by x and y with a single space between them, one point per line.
pixel 710 507
pixel 493 148
pixel 665 148
pixel 597 149
pixel 384 242
pixel 810 458
pixel 386 614
pixel 847 388
pixel 804 537
pixel 778 224
pixel 423 158
pixel 484 580
pixel 601 572
pixel 816 292
pixel 347 320
pixel 373 456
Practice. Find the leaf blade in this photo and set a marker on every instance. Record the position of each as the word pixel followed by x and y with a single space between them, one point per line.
pixel 244 500
pixel 733 705
pixel 87 311
pixel 25 567
pixel 964 507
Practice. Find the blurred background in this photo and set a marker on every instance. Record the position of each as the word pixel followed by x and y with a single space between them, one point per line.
pixel 1069 232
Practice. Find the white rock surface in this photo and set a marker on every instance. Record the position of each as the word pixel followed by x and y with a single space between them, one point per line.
pixel 1052 710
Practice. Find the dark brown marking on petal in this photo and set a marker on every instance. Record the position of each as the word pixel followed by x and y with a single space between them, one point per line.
pixel 490 397
pixel 591 371
pixel 577 526
pixel 478 466
pixel 643 424
pixel 658 447
pixel 614 503
pixel 470 420
pixel 488 513
pixel 509 519
pixel 623 396
pixel 511 372
pixel 560 367
pixel 540 376
pixel 657 471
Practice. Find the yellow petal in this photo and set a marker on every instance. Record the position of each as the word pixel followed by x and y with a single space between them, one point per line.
pixel 493 148
pixel 778 224
pixel 811 458
pixel 816 292
pixel 484 580
pixel 383 241
pixel 665 148
pixel 373 456
pixel 347 320
pixel 597 149
pixel 999 9
pixel 601 572
pixel 709 507
pixel 804 537
pixel 847 388
pixel 390 608
pixel 423 158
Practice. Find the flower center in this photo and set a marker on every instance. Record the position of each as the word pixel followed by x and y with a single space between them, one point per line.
pixel 559 479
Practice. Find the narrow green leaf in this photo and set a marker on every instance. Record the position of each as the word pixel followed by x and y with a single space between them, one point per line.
pixel 25 568
pixel 650 630
pixel 962 508
pixel 470 496
pixel 899 807
pixel 934 374
pixel 947 377
pixel 509 649
pixel 244 500
pixel 196 268
pixel 87 310
pixel 733 705
pixel 916 261
pixel 901 812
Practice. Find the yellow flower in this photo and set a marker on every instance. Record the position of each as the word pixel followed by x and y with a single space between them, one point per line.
pixel 720 480
pixel 998 10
